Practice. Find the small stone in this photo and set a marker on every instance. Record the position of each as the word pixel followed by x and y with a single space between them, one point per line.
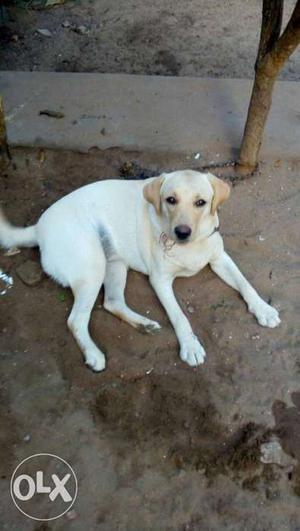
pixel 30 273
pixel 82 30
pixel 45 32
pixel 272 452
pixel 66 24
pixel 27 438
pixel 71 515
pixel 190 309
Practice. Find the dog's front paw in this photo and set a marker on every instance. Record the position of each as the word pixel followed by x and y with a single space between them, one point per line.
pixel 265 314
pixel 192 352
pixel 95 360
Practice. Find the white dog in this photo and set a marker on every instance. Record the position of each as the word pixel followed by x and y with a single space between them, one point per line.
pixel 164 227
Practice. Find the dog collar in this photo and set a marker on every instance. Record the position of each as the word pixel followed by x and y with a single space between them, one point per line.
pixel 168 243
pixel 216 229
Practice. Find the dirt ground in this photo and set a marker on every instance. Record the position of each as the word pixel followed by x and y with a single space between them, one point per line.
pixel 155 444
pixel 192 38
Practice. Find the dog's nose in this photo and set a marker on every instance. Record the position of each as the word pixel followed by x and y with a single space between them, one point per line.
pixel 182 232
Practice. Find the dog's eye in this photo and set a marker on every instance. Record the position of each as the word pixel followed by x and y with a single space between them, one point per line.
pixel 171 200
pixel 200 203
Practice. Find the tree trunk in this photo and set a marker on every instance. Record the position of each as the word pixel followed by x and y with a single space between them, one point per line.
pixel 272 54
pixel 4 152
pixel 258 111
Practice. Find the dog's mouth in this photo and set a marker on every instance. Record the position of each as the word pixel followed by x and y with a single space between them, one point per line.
pixel 182 242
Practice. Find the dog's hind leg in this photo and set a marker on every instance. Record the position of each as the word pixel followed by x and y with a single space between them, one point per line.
pixel 85 293
pixel 85 290
pixel 114 300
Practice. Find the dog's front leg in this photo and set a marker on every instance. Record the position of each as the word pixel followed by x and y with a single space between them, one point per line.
pixel 226 269
pixel 191 351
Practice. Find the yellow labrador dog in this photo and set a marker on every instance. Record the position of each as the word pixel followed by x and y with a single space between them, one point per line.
pixel 164 227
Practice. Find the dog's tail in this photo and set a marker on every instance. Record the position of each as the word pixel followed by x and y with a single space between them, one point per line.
pixel 11 236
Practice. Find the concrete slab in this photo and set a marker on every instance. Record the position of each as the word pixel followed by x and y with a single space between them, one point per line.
pixel 142 112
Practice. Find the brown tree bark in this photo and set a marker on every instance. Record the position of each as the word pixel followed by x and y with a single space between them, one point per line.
pixel 4 151
pixel 273 52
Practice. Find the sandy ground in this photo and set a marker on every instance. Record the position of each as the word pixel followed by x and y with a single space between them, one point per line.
pixel 155 444
pixel 192 38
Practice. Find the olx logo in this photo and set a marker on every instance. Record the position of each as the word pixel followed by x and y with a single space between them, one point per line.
pixel 44 487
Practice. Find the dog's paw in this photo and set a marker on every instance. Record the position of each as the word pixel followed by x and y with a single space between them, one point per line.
pixel 95 360
pixel 266 314
pixel 148 327
pixel 192 352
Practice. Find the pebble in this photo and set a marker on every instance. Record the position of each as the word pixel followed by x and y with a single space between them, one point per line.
pixel 30 273
pixel 45 32
pixel 82 30
pixel 71 515
pixel 272 452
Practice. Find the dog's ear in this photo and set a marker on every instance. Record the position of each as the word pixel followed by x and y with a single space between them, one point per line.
pixel 152 192
pixel 221 192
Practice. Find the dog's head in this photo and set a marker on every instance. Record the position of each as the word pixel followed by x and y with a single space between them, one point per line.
pixel 185 202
